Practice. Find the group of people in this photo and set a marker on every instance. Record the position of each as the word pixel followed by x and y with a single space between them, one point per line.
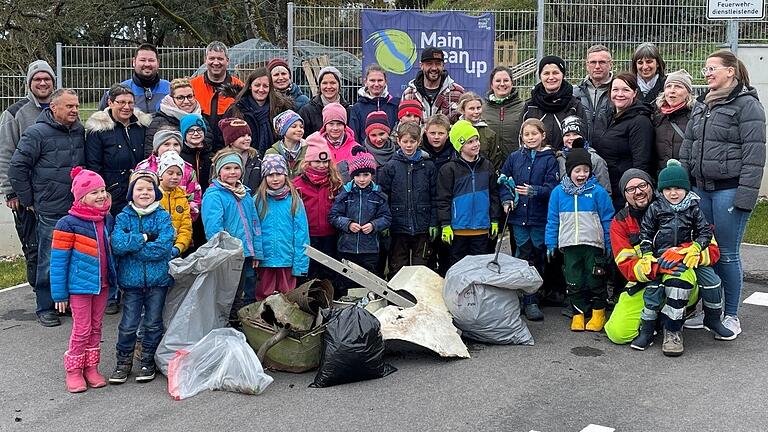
pixel 425 179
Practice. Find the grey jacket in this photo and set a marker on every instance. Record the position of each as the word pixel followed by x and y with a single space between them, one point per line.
pixel 40 167
pixel 724 146
pixel 599 168
pixel 13 122
pixel 593 99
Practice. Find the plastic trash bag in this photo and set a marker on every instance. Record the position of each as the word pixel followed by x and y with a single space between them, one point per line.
pixel 353 349
pixel 222 360
pixel 485 304
pixel 202 295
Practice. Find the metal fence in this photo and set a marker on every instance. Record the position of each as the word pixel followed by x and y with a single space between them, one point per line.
pixel 11 89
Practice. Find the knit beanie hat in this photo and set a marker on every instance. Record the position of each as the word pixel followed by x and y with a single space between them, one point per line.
pixel 377 120
pixel 411 106
pixel 575 125
pixel 331 70
pixel 164 135
pixel 633 173
pixel 362 162
pixel 674 175
pixel 84 181
pixel 145 175
pixel 167 160
pixel 39 66
pixel 275 62
pixel 284 120
pixel 317 149
pixel 228 159
pixel 461 132
pixel 189 121
pixel 233 128
pixel 273 164
pixel 681 76
pixel 555 60
pixel 334 112
pixel 576 157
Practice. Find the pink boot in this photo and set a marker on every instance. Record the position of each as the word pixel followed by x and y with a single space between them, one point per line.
pixel 91 371
pixel 74 367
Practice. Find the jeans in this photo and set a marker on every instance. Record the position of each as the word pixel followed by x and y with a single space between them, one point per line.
pixel 26 228
pixel 153 301
pixel 45 225
pixel 730 224
pixel 87 317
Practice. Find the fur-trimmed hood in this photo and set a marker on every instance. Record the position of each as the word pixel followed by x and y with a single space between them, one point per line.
pixel 102 120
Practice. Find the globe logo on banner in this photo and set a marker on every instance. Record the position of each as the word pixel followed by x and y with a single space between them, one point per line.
pixel 394 50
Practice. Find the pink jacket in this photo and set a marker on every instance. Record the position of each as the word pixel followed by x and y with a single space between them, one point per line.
pixel 317 202
pixel 188 182
pixel 341 155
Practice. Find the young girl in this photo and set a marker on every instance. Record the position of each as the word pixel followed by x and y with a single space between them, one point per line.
pixel 289 126
pixel 228 206
pixel 533 171
pixel 143 242
pixel 196 152
pixel 338 136
pixel 378 140
pixel 280 208
pixel 318 185
pixel 409 180
pixel 237 138
pixel 174 200
pixel 82 274
pixel 471 109
pixel 170 139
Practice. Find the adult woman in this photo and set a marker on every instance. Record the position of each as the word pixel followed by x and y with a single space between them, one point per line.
pixel 258 103
pixel 329 83
pixel 623 136
pixel 180 102
pixel 552 100
pixel 502 109
pixel 281 79
pixel 648 67
pixel 114 142
pixel 673 110
pixel 373 96
pixel 724 150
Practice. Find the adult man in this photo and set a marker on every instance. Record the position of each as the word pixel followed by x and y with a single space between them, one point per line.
pixel 40 176
pixel 13 122
pixel 593 92
pixel 145 82
pixel 209 85
pixel 433 87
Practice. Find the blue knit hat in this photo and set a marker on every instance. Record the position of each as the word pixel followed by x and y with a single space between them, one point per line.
pixel 189 121
pixel 284 120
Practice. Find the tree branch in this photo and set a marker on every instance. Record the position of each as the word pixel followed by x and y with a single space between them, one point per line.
pixel 158 4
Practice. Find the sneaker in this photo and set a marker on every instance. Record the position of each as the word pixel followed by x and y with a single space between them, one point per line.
pixel 733 324
pixel 49 319
pixel 146 374
pixel 696 321
pixel 121 373
pixel 673 343
pixel 112 309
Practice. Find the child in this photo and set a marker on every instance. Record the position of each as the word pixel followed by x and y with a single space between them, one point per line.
pixel 82 274
pixel 409 181
pixel 169 139
pixel 471 109
pixel 280 208
pixel 467 196
pixel 578 220
pixel 196 151
pixel 318 185
pixel 339 137
pixel 533 171
pixel 360 212
pixel 228 206
pixel 674 223
pixel 378 141
pixel 174 200
pixel 574 130
pixel 292 147
pixel 435 140
pixel 142 241
pixel 409 111
pixel 237 138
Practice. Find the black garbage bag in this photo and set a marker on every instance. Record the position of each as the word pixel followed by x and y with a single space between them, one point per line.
pixel 353 349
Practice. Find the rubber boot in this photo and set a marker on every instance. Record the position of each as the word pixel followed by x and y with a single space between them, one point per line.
pixel 531 308
pixel 577 322
pixel 74 367
pixel 597 321
pixel 645 338
pixel 712 323
pixel 91 371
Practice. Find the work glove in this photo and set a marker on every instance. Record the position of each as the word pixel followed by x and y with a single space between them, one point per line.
pixel 671 258
pixel 385 233
pixel 447 236
pixel 676 271
pixel 509 183
pixel 644 265
pixel 175 252
pixel 494 229
pixel 692 255
pixel 432 233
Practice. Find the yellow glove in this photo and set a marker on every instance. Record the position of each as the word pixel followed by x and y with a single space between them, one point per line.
pixel 644 266
pixel 494 229
pixel 692 255
pixel 447 236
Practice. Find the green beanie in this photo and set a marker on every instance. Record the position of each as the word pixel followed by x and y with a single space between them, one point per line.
pixel 674 175
pixel 461 132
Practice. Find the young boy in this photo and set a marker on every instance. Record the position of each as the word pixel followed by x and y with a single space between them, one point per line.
pixel 675 230
pixel 468 204
pixel 574 131
pixel 378 140
pixel 434 142
pixel 174 201
pixel 409 111
pixel 578 222
pixel 289 126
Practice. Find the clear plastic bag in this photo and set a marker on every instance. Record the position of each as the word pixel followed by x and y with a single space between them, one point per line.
pixel 222 360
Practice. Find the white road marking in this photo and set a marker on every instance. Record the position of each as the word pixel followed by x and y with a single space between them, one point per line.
pixel 597 428
pixel 757 298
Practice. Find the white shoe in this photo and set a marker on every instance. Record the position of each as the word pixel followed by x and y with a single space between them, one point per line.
pixel 696 321
pixel 733 324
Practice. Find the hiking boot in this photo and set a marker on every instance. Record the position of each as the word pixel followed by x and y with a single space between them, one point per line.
pixel 696 321
pixel 597 321
pixel 48 319
pixel 146 373
pixel 644 338
pixel 577 323
pixel 112 309
pixel 533 313
pixel 673 343
pixel 733 324
pixel 121 372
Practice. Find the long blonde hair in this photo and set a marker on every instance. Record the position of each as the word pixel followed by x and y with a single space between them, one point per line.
pixel 261 197
pixel 334 177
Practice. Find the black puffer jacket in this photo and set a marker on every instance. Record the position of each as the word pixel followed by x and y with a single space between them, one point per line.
pixel 668 141
pixel 662 227
pixel 312 114
pixel 40 167
pixel 553 120
pixel 441 157
pixel 724 146
pixel 411 187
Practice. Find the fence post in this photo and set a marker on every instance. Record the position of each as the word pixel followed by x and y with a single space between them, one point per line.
pixel 290 37
pixel 539 31
pixel 732 36
pixel 59 83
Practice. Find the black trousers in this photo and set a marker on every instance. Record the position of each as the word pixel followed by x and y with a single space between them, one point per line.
pixel 468 245
pixel 26 228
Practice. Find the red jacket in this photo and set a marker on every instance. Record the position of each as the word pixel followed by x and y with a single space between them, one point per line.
pixel 317 202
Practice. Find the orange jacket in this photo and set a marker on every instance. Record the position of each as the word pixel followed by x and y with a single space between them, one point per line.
pixel 204 94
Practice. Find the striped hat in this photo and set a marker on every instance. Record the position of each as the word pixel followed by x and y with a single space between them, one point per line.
pixel 362 162
pixel 410 106
pixel 377 120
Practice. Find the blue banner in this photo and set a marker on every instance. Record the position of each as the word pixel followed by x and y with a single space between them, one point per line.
pixel 395 41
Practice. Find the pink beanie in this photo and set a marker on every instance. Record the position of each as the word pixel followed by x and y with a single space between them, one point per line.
pixel 334 112
pixel 84 181
pixel 317 149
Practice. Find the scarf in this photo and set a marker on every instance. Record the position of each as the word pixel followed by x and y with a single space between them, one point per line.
pixel 279 193
pixel 168 107
pixel 570 187
pixel 262 133
pixel 685 203
pixel 317 177
pixel 146 83
pixel 289 154
pixel 714 96
pixel 145 211
pixel 501 100
pixel 552 102
pixel 415 157
pixel 645 87
pixel 666 109
pixel 327 101
pixel 381 154
pixel 238 189
pixel 93 214
pixel 336 143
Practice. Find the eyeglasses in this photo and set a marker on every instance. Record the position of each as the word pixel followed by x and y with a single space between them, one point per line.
pixel 598 62
pixel 181 98
pixel 709 70
pixel 123 103
pixel 639 187
pixel 195 131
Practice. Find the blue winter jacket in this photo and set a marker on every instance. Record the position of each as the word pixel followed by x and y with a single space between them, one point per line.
pixel 467 194
pixel 583 219
pixel 75 258
pixel 287 234
pixel 538 169
pixel 367 104
pixel 140 263
pixel 411 186
pixel 353 204
pixel 222 211
pixel 299 98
